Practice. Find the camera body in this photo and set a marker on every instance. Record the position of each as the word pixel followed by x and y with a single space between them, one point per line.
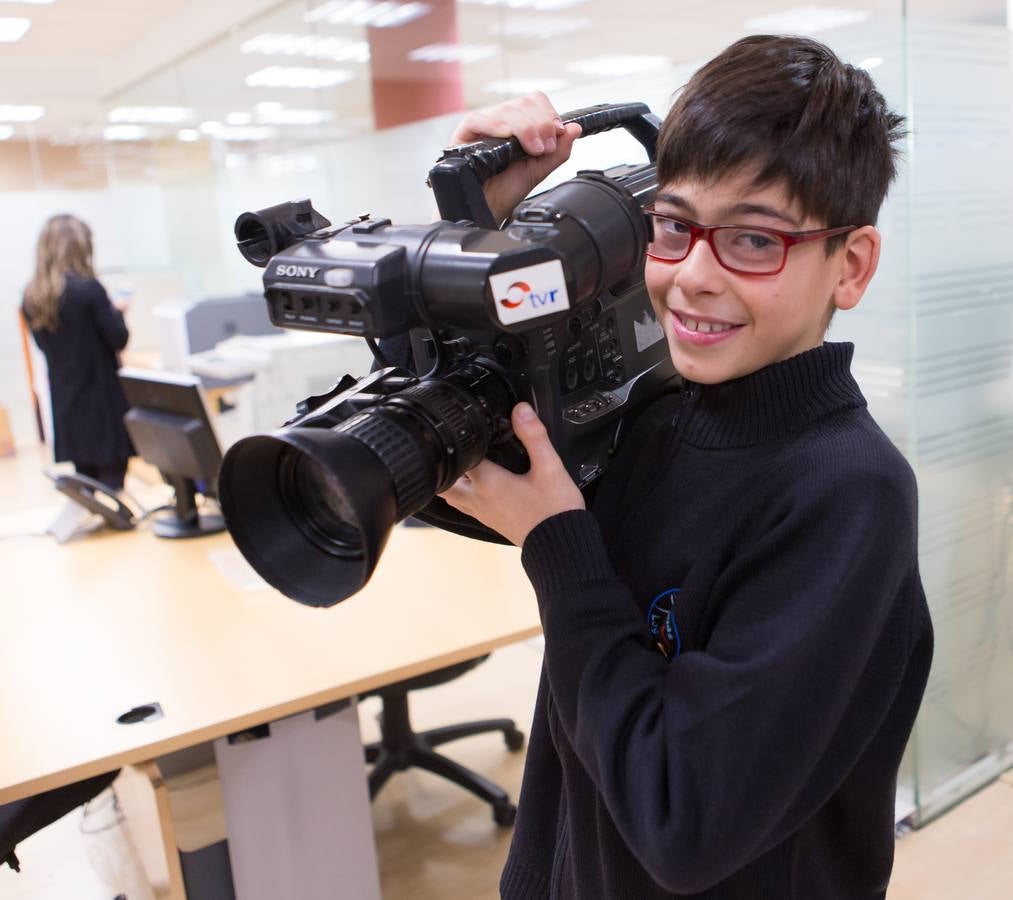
pixel 551 308
pixel 580 365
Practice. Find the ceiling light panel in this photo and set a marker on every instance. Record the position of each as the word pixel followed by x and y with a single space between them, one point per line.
pixel 807 19
pixel 236 132
pixel 13 28
pixel 246 133
pixel 6 131
pixel 445 53
pixel 540 5
pixel 365 12
pixel 336 49
pixel 513 87
pixel 541 28
pixel 150 115
pixel 615 65
pixel 276 114
pixel 14 113
pixel 188 135
pixel 126 133
pixel 298 77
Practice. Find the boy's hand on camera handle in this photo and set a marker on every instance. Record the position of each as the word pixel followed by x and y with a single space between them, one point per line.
pixel 514 504
pixel 536 124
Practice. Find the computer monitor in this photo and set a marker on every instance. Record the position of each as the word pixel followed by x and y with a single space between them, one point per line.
pixel 169 425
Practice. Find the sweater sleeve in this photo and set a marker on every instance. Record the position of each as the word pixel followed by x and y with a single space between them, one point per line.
pixel 110 322
pixel 711 759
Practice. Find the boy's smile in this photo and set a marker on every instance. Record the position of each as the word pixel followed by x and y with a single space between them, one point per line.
pixel 721 324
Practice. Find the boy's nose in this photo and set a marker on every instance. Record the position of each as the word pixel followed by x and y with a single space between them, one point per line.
pixel 700 272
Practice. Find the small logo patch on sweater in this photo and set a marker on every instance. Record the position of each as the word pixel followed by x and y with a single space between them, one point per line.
pixel 663 625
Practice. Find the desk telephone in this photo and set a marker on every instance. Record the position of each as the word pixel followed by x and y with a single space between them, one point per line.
pixel 94 497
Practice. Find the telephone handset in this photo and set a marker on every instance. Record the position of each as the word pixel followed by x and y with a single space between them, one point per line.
pixel 96 498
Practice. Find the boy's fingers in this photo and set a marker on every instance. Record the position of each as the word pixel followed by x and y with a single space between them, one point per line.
pixel 531 119
pixel 479 125
pixel 540 106
pixel 572 131
pixel 532 434
pixel 564 146
pixel 543 118
pixel 470 485
pixel 532 128
pixel 485 475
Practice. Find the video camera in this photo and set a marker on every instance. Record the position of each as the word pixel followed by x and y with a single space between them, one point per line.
pixel 551 308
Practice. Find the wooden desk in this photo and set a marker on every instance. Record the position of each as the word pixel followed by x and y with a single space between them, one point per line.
pixel 116 620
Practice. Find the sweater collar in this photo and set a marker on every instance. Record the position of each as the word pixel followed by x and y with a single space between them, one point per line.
pixel 775 401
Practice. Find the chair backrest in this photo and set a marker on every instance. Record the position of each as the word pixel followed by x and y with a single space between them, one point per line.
pixel 23 818
pixel 428 679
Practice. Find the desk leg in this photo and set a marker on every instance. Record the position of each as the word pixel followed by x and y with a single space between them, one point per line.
pixel 297 810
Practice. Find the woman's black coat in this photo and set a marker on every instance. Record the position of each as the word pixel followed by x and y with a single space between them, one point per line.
pixel 81 355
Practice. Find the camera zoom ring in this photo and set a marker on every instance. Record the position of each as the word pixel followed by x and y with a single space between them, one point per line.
pixel 414 485
pixel 447 409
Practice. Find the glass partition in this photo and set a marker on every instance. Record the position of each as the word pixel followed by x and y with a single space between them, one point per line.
pixel 960 386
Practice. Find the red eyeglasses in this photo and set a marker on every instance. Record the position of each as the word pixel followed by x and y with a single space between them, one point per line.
pixel 743 249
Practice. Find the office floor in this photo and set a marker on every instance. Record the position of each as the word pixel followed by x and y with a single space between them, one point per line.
pixel 435 841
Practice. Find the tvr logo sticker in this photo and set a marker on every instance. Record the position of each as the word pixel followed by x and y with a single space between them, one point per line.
pixel 529 292
pixel 516 294
pixel 520 291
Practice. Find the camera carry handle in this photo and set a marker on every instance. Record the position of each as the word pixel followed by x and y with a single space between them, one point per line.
pixel 459 174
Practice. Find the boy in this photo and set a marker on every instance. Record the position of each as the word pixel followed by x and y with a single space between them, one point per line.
pixel 736 636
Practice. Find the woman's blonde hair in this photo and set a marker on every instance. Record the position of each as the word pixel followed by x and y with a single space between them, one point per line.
pixel 64 247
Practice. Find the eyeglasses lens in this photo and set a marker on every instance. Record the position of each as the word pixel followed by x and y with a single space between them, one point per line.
pixel 744 249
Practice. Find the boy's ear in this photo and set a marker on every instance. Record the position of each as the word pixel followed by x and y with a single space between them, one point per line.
pixel 860 258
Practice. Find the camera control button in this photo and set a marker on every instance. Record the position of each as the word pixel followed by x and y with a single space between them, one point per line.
pixel 339 277
pixel 369 226
pixel 571 377
pixel 536 214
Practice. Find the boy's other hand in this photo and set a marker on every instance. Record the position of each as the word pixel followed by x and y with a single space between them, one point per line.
pixel 536 124
pixel 514 504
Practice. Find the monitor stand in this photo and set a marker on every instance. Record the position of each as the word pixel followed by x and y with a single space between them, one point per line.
pixel 186 521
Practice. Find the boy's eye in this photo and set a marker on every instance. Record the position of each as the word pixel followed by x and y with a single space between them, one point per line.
pixel 673 226
pixel 757 241
pixel 754 241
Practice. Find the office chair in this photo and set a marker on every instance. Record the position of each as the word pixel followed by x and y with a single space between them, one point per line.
pixel 400 747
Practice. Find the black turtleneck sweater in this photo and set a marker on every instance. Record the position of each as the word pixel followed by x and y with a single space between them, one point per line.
pixel 757 760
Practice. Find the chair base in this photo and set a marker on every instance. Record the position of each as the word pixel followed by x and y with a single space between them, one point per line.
pixel 402 748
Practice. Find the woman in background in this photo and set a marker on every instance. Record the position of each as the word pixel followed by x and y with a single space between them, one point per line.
pixel 80 332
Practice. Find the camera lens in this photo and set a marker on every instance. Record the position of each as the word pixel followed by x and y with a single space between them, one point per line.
pixel 311 507
pixel 317 504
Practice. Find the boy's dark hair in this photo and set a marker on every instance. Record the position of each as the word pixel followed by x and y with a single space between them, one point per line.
pixel 791 108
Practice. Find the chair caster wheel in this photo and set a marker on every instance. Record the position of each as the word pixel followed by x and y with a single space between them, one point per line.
pixel 514 739
pixel 504 814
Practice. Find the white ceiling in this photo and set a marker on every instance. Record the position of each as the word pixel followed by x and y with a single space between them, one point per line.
pixel 83 57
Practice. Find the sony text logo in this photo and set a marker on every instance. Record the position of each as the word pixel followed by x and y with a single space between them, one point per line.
pixel 520 291
pixel 297 271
